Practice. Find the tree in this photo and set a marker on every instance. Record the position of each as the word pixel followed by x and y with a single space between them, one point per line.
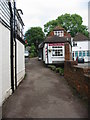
pixel 71 23
pixel 33 52
pixel 34 35
pixel 48 27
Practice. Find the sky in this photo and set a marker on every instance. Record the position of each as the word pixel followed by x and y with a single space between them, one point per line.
pixel 39 12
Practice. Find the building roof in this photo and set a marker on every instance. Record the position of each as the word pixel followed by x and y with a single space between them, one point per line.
pixel 58 28
pixel 66 34
pixel 80 37
pixel 55 39
pixel 51 33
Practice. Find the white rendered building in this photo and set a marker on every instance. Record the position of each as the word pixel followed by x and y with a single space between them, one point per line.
pixel 80 47
pixel 12 62
pixel 52 51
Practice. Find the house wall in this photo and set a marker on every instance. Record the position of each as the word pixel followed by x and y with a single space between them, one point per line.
pixel 0 72
pixel 20 61
pixel 45 53
pixel 82 46
pixel 5 63
pixel 0 65
pixel 48 58
pixel 55 59
pixel 6 79
pixel 5 53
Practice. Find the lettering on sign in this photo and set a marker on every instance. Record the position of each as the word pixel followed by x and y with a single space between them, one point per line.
pixel 56 44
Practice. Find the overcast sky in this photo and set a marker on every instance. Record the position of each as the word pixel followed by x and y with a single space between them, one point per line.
pixel 39 12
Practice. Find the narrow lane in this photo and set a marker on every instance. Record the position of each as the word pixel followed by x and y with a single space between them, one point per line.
pixel 43 94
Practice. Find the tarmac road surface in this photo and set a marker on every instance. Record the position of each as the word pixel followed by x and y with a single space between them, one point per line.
pixel 43 94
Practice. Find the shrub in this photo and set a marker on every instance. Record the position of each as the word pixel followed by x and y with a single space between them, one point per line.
pixel 52 67
pixel 31 55
pixel 49 66
pixel 61 71
pixel 33 51
pixel 57 70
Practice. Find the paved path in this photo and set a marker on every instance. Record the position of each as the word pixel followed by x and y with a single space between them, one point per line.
pixel 43 94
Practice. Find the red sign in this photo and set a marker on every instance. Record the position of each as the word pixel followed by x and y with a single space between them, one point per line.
pixel 56 44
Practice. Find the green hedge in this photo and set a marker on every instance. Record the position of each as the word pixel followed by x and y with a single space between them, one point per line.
pixel 58 69
pixel 52 67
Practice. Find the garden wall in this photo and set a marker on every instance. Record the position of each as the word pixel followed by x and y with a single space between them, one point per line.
pixel 77 77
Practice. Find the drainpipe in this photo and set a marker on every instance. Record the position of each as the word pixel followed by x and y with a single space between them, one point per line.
pixel 11 39
pixel 15 46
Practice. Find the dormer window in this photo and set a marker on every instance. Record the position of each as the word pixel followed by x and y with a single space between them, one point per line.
pixel 59 33
pixel 55 33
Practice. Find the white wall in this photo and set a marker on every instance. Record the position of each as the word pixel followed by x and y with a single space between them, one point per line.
pixel 44 56
pixel 0 71
pixel 20 61
pixel 52 59
pixel 6 80
pixel 56 59
pixel 82 46
pixel 5 63
pixel 44 53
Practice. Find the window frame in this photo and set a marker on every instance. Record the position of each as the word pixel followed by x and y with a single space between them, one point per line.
pixel 84 54
pixel 76 53
pixel 80 53
pixel 58 50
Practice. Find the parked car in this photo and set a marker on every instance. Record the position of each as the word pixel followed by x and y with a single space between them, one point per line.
pixel 80 60
pixel 26 54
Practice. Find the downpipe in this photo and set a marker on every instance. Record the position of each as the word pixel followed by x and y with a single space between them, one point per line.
pixel 11 45
pixel 15 47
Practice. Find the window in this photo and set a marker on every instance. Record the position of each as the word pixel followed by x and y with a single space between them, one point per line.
pixel 55 33
pixel 74 44
pixel 76 53
pixel 89 52
pixel 73 54
pixel 80 53
pixel 83 53
pixel 56 46
pixel 56 52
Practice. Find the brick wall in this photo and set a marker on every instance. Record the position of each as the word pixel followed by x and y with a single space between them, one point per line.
pixel 68 51
pixel 77 77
